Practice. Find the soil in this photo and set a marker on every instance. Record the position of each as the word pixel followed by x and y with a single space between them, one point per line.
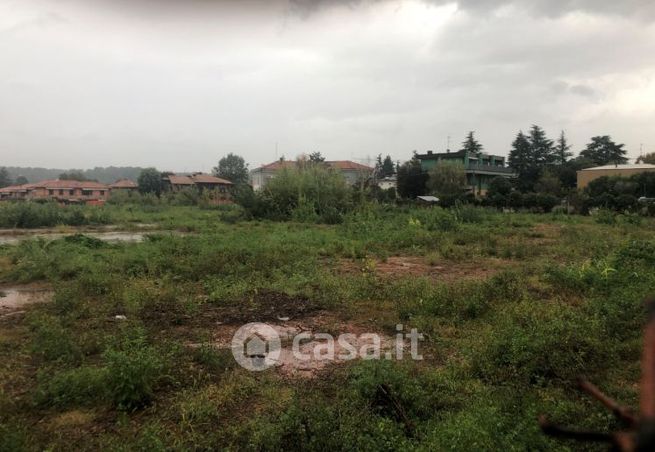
pixel 12 299
pixel 445 271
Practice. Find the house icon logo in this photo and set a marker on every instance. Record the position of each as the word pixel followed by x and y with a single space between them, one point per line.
pixel 256 346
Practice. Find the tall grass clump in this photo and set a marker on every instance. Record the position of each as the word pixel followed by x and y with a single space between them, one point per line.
pixel 134 369
pixel 36 215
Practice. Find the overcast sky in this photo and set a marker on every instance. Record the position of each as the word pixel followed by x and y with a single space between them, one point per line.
pixel 178 84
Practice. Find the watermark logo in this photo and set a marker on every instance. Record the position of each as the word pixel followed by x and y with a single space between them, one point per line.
pixel 258 346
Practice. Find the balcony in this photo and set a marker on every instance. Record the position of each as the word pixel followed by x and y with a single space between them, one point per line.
pixel 488 169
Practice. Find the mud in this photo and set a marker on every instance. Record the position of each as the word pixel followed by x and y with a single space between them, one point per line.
pixel 13 299
pixel 108 236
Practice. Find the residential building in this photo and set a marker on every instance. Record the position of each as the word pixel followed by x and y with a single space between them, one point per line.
pixel 63 191
pixel 124 185
pixel 480 168
pixel 221 188
pixel 586 175
pixel 351 171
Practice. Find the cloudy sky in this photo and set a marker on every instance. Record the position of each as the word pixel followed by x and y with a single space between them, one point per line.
pixel 177 84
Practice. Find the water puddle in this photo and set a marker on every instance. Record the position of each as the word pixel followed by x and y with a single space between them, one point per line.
pixel 110 236
pixel 13 298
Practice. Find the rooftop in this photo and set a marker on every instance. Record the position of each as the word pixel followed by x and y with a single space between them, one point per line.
pixel 197 178
pixel 344 165
pixel 124 183
pixel 621 167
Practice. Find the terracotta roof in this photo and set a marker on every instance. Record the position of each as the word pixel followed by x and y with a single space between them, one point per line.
pixel 180 180
pixel 343 165
pixel 56 183
pixel 14 188
pixel 348 165
pixel 209 179
pixel 198 178
pixel 124 183
pixel 280 164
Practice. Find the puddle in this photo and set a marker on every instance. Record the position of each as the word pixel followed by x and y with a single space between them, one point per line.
pixel 111 236
pixel 12 298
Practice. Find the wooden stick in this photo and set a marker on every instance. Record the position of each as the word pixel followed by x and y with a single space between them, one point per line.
pixel 622 412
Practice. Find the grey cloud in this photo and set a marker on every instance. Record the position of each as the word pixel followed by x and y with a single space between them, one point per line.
pixel 583 90
pixel 178 85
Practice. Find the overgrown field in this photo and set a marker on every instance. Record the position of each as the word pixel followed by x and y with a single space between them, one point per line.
pixel 514 307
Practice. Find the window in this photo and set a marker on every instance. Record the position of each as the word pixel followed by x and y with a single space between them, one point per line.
pixel 51 192
pixel 71 192
pixel 61 192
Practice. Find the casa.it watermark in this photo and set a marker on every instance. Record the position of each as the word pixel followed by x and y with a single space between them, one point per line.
pixel 258 346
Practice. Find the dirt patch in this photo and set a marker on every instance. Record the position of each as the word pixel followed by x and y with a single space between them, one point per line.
pixel 173 320
pixel 15 298
pixel 74 418
pixel 269 305
pixel 446 271
pixel 544 233
pixel 316 353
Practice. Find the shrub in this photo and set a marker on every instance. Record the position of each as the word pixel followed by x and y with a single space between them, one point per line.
pixel 133 370
pixel 52 341
pixel 535 344
pixel 80 386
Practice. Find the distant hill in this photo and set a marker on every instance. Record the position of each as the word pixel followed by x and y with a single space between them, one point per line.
pixel 105 175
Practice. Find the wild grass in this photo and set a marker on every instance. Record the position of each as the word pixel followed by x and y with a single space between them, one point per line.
pixel 499 348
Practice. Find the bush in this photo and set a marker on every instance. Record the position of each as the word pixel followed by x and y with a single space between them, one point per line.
pixel 309 193
pixel 52 341
pixel 80 386
pixel 133 370
pixel 48 214
pixel 537 344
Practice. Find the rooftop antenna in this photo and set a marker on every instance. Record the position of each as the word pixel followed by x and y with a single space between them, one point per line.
pixel 448 144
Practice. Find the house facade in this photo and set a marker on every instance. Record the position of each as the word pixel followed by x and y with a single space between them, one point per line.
pixel 62 191
pixel 124 185
pixel 586 175
pixel 220 188
pixel 480 169
pixel 351 171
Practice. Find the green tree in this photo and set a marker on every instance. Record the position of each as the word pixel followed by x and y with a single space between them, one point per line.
pixel 603 151
pixel 412 180
pixel 447 180
pixel 316 157
pixel 499 186
pixel 562 150
pixel 521 159
pixel 647 158
pixel 20 180
pixel 73 175
pixel 387 167
pixel 150 181
pixel 5 179
pixel 543 151
pixel 471 144
pixel 233 168
pixel 549 184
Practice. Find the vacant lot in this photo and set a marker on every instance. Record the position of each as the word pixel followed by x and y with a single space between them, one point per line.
pixel 121 349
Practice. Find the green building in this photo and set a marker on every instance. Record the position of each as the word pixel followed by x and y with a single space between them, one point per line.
pixel 480 168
